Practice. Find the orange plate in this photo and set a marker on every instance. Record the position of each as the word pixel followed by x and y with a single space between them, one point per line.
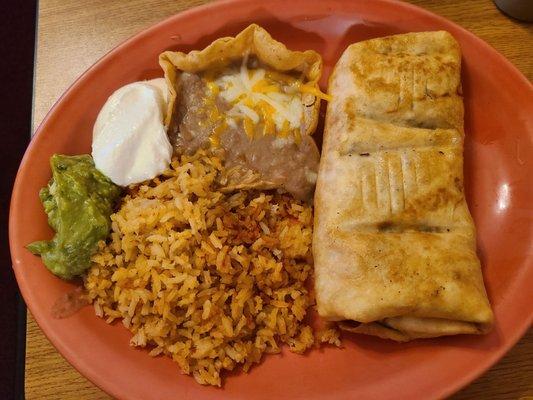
pixel 498 154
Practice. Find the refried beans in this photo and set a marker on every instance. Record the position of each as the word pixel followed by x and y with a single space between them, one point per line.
pixel 281 161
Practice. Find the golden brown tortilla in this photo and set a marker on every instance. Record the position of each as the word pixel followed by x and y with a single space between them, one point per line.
pixel 394 242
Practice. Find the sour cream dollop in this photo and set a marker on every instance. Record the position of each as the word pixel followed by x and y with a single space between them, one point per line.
pixel 130 142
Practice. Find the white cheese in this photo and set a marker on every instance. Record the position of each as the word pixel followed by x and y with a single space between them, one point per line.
pixel 130 143
pixel 248 112
pixel 240 87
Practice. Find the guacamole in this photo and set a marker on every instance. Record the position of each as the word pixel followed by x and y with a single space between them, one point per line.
pixel 79 200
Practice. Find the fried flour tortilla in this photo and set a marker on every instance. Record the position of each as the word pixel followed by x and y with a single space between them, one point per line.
pixel 394 243
pixel 253 99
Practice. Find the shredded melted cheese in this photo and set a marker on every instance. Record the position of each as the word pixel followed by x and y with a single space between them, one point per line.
pixel 261 99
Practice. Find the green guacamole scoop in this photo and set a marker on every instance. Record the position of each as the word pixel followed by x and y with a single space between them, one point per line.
pixel 79 201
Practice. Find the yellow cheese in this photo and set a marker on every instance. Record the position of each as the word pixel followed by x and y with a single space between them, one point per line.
pixel 213 87
pixel 214 138
pixel 314 91
pixel 260 98
pixel 248 127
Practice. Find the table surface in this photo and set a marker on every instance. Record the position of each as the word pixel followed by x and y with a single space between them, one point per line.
pixel 73 34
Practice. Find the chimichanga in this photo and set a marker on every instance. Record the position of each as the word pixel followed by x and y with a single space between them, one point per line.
pixel 394 243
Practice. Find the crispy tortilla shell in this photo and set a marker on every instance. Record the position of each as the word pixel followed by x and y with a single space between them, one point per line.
pixel 252 41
